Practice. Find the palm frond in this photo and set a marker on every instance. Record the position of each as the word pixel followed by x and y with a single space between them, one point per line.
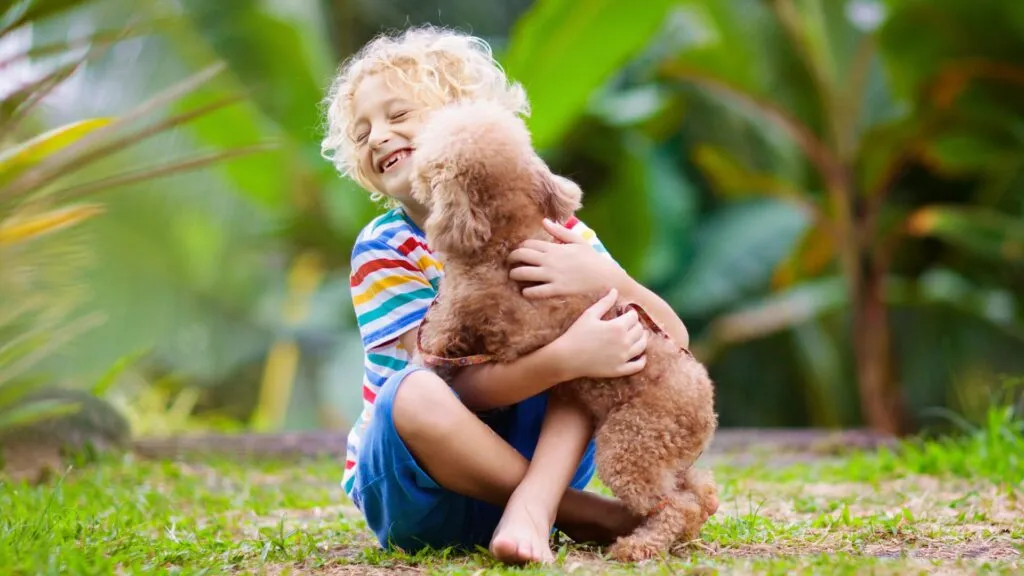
pixel 53 168
pixel 149 173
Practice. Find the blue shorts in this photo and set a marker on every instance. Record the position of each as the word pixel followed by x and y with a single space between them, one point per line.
pixel 403 505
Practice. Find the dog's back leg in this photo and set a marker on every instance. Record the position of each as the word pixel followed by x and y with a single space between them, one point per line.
pixel 678 517
pixel 635 463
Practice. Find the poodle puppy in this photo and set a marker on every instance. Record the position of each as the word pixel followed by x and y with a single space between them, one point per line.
pixel 487 191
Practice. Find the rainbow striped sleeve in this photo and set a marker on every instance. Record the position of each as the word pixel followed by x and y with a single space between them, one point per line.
pixel 390 291
pixel 587 233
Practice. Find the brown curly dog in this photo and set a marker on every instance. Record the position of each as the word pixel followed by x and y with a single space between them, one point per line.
pixel 487 191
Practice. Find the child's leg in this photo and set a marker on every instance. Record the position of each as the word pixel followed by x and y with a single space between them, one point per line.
pixel 522 535
pixel 425 453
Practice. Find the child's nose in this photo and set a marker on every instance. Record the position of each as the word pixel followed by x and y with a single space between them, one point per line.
pixel 379 136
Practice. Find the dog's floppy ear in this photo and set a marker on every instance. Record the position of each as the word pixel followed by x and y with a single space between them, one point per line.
pixel 455 224
pixel 559 197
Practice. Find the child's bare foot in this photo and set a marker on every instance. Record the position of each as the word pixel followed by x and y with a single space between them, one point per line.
pixel 522 534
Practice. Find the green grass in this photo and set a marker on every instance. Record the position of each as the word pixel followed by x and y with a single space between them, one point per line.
pixel 954 505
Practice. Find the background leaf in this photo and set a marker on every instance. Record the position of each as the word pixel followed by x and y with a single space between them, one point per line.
pixel 984 232
pixel 736 252
pixel 17 158
pixel 550 41
pixel 36 411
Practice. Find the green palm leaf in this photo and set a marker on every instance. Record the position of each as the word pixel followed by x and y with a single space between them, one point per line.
pixel 549 43
pixel 981 231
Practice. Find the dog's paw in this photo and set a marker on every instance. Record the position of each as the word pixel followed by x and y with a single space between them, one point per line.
pixel 708 497
pixel 703 486
pixel 690 533
pixel 709 502
pixel 631 549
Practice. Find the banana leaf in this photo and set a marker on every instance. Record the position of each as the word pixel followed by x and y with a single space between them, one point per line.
pixel 737 250
pixel 983 232
pixel 562 51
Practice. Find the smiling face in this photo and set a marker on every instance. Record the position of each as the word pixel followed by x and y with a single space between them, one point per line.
pixel 385 123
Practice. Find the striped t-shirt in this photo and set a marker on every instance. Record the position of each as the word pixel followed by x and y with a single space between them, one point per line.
pixel 393 279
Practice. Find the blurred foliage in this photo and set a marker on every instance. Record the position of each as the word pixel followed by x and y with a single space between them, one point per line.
pixel 877 122
pixel 41 295
pixel 828 196
pixel 816 137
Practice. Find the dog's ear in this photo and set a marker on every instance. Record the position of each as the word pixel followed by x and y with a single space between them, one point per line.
pixel 566 199
pixel 559 197
pixel 456 224
pixel 419 187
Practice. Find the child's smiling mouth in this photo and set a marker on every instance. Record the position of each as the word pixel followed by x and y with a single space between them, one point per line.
pixel 392 159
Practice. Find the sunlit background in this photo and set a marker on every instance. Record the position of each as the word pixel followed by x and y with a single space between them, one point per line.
pixel 829 193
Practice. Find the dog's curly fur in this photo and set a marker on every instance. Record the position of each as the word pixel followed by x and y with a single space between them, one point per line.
pixel 487 191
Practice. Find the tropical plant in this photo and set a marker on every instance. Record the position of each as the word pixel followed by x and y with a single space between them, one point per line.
pixel 270 327
pixel 774 169
pixel 44 199
pixel 851 116
pixel 803 180
pixel 204 247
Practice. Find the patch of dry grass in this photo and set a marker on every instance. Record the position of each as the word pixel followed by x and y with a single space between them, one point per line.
pixel 914 524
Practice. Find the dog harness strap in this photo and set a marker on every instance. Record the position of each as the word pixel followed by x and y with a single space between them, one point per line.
pixel 434 360
pixel 653 325
pixel 460 362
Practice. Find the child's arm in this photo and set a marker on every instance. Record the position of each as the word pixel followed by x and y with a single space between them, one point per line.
pixel 656 307
pixel 494 385
pixel 590 347
pixel 491 385
pixel 575 267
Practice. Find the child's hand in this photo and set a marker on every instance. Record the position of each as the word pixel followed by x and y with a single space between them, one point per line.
pixel 563 269
pixel 597 348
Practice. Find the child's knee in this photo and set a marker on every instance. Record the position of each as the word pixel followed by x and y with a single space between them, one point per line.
pixel 423 404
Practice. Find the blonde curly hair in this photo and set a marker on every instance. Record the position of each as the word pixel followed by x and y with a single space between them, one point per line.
pixel 435 65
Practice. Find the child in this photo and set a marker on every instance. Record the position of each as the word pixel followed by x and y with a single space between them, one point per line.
pixel 465 463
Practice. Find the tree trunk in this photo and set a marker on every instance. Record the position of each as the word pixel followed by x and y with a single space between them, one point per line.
pixel 881 399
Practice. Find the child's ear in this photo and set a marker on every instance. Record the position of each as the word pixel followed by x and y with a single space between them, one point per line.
pixel 456 225
pixel 559 197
